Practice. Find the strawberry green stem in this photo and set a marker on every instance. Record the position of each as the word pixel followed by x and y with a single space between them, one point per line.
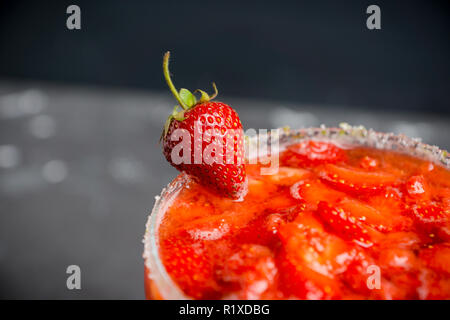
pixel 169 81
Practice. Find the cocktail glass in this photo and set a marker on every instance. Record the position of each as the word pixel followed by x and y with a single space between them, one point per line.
pixel 158 283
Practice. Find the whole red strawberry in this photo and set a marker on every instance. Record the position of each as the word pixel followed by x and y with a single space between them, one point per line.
pixel 205 139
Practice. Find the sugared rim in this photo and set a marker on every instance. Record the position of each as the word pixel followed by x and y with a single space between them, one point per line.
pixel 157 272
pixel 345 134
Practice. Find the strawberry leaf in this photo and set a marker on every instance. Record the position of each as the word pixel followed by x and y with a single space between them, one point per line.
pixel 205 97
pixel 187 97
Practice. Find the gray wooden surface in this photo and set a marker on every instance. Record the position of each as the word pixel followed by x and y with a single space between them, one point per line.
pixel 79 169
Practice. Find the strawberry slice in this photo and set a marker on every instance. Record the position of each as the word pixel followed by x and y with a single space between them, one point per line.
pixel 401 286
pixel 314 191
pixel 287 176
pixel 383 212
pixel 417 188
pixel 338 221
pixel 302 282
pixel 444 196
pixel 312 152
pixel 356 180
pixel 397 260
pixel 437 257
pixel 388 202
pixel 251 272
pixel 259 189
pixel 215 226
pixel 264 229
pixel 312 259
pixel 444 233
pixel 367 214
pixel 401 240
pixel 188 265
pixel 429 213
pixel 308 259
pixel 280 201
pixel 433 286
pixel 256 232
pixel 273 222
pixel 355 276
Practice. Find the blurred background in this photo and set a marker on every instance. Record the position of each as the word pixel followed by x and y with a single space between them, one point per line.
pixel 81 111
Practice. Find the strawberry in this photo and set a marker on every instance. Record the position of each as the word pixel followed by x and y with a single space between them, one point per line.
pixel 367 214
pixel 214 226
pixel 437 257
pixel 356 180
pixel 444 233
pixel 302 282
pixel 287 176
pixel 417 188
pixel 401 240
pixel 252 270
pixel 188 265
pixel 443 194
pixel 433 286
pixel 356 273
pixel 342 224
pixel 429 213
pixel 396 260
pixel 314 191
pixel 390 207
pixel 310 258
pixel 401 286
pixel 382 212
pixel 264 229
pixel 389 202
pixel 311 152
pixel 212 141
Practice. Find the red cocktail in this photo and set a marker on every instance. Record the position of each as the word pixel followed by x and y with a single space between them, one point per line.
pixel 351 214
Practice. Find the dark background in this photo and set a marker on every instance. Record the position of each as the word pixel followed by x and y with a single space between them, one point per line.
pixel 81 111
pixel 309 51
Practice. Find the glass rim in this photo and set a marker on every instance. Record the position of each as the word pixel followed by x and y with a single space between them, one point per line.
pixel 346 134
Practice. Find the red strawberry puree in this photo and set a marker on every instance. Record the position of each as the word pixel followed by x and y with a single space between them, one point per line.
pixel 358 223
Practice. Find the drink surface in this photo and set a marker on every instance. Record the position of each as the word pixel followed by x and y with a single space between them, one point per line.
pixel 333 223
